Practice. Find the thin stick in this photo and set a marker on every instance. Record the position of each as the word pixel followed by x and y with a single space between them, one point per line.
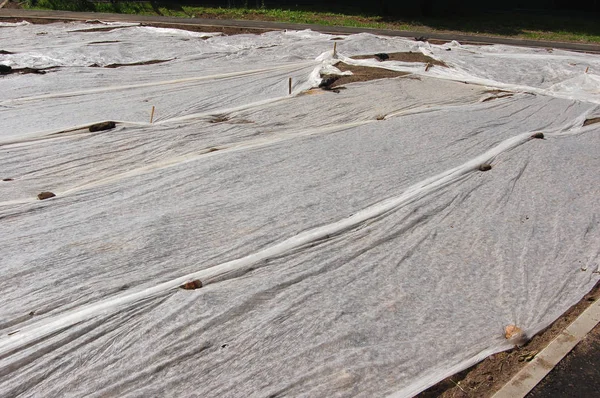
pixel 334 49
pixel 427 66
pixel 152 114
pixel 586 69
pixel 290 86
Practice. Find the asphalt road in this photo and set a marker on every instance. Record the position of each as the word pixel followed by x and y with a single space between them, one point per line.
pixel 577 374
pixel 264 26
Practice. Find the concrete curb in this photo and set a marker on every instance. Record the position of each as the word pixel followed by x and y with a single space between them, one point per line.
pixel 528 377
pixel 263 26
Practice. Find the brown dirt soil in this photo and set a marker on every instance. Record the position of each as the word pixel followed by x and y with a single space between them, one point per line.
pixel 27 71
pixel 103 42
pixel 102 29
pixel 488 376
pixel 151 62
pixel 493 97
pixel 406 57
pixel 363 74
pixel 591 121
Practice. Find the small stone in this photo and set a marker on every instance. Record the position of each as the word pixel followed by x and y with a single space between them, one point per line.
pixel 5 69
pixel 7 179
pixel 512 332
pixel 45 195
pixel 382 57
pixel 538 135
pixel 102 126
pixel 485 167
pixel 195 284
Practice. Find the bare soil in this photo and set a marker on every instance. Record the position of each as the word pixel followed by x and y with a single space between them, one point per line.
pixel 406 57
pixel 487 377
pixel 363 74
pixel 151 62
pixel 591 121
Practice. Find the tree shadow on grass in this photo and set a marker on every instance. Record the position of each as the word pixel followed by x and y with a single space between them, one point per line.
pixel 509 23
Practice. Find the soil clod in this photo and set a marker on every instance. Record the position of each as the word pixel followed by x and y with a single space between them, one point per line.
pixel 193 285
pixel 7 179
pixel 151 62
pixel 45 195
pixel 591 121
pixel 328 81
pixel 485 167
pixel 382 56
pixel 4 52
pixel 219 119
pixel 5 69
pixel 538 135
pixel 102 126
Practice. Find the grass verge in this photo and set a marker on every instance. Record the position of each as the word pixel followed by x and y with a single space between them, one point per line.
pixel 527 25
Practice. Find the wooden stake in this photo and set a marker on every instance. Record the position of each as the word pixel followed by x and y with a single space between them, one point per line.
pixel 152 114
pixel 290 86
pixel 427 67
pixel 586 69
pixel 334 49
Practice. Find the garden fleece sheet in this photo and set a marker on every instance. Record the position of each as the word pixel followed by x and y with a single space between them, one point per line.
pixel 349 243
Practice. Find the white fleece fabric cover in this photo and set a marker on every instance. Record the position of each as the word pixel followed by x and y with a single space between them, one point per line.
pixel 347 243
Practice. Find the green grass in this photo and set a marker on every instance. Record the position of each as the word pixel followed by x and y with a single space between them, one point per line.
pixel 574 28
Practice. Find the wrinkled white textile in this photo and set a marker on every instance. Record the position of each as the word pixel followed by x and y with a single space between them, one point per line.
pixel 347 242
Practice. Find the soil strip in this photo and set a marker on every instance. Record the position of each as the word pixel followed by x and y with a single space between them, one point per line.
pixel 405 57
pixel 363 74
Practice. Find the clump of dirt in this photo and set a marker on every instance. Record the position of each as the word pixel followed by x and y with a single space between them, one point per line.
pixel 485 167
pixel 404 57
pixel 487 377
pixel 113 66
pixel 193 285
pixel 538 135
pixel 102 126
pixel 7 70
pixel 45 195
pixel 219 119
pixel 4 52
pixel 591 121
pixel 493 97
pixel 8 179
pixel 497 94
pixel 360 74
